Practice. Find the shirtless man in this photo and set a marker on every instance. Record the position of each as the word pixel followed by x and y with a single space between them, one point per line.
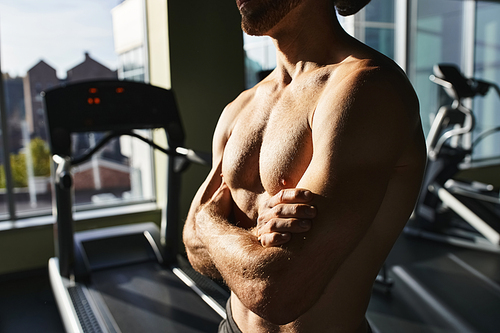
pixel 315 172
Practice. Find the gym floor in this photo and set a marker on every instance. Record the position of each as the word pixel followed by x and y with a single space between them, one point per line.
pixel 436 288
pixel 27 304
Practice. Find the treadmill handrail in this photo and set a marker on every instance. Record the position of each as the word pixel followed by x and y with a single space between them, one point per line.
pixel 189 154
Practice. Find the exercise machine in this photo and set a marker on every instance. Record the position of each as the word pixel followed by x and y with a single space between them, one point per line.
pixel 465 213
pixel 127 278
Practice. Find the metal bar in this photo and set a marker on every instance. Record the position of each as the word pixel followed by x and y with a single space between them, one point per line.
pixel 425 295
pixel 64 216
pixel 469 216
pixel 401 33
pixel 9 183
pixel 59 288
pixel 207 299
pixel 468 54
pixel 145 44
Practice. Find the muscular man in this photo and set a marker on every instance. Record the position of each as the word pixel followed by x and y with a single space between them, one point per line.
pixel 315 172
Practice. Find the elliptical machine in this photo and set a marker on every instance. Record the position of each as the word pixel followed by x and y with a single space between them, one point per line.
pixel 464 213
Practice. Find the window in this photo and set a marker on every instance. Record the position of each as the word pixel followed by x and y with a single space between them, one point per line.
pixel 132 65
pixel 436 37
pixel 487 67
pixel 61 42
pixel 464 33
pixel 374 26
pixel 260 58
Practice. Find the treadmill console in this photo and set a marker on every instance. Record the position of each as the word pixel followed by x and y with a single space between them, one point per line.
pixel 108 106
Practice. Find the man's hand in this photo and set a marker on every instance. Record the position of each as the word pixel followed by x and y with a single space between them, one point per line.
pixel 286 213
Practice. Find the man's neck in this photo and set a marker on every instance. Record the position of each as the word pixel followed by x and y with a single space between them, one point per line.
pixel 308 37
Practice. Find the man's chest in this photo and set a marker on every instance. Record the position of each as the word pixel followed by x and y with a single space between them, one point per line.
pixel 268 150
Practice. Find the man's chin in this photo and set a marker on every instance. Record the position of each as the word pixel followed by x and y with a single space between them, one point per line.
pixel 253 30
pixel 254 33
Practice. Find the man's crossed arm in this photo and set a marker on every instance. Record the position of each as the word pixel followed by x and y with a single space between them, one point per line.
pixel 358 138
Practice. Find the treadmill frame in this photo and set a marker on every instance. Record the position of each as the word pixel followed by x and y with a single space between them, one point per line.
pixel 111 105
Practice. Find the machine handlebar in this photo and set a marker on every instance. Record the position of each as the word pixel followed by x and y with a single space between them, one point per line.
pixel 458 86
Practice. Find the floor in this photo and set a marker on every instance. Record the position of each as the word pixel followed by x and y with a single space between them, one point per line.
pixel 436 288
pixel 27 305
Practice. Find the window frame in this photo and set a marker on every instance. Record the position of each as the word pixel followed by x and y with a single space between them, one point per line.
pixel 16 218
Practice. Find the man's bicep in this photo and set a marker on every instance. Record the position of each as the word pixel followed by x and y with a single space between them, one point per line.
pixel 219 140
pixel 356 149
pixel 196 250
pixel 357 142
pixel 347 198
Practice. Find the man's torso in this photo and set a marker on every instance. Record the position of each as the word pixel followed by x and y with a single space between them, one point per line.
pixel 269 148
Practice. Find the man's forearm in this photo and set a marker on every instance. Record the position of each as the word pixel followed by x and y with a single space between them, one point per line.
pixel 249 269
pixel 197 253
pixel 227 246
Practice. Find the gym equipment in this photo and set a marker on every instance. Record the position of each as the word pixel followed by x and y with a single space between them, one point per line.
pixel 128 278
pixel 449 210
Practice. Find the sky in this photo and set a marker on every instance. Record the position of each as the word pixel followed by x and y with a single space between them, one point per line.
pixel 56 31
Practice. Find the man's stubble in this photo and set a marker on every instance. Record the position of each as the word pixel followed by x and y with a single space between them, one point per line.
pixel 259 20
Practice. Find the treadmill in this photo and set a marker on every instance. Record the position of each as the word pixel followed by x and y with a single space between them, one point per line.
pixel 128 278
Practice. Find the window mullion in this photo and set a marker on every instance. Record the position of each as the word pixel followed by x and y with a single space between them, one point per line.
pixel 468 48
pixel 469 33
pixel 9 184
pixel 401 25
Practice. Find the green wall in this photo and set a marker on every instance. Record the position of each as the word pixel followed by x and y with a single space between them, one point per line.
pixel 206 71
pixel 23 249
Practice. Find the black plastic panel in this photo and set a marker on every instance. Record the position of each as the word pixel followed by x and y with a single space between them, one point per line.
pixel 109 106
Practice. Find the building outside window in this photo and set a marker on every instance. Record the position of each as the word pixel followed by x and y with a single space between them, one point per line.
pixel 132 65
pixel 60 42
pixel 129 21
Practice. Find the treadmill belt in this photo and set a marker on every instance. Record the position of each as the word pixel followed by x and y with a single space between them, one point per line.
pixel 83 310
pixel 148 298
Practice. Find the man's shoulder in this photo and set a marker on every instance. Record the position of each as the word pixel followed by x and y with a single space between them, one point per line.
pixel 374 77
pixel 241 101
pixel 257 95
pixel 235 110
pixel 371 69
pixel 371 91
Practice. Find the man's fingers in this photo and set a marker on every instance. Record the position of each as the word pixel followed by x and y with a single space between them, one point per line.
pixel 298 211
pixel 274 239
pixel 291 195
pixel 286 213
pixel 285 226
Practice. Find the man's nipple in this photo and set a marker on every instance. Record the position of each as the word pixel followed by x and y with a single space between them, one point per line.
pixel 283 181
